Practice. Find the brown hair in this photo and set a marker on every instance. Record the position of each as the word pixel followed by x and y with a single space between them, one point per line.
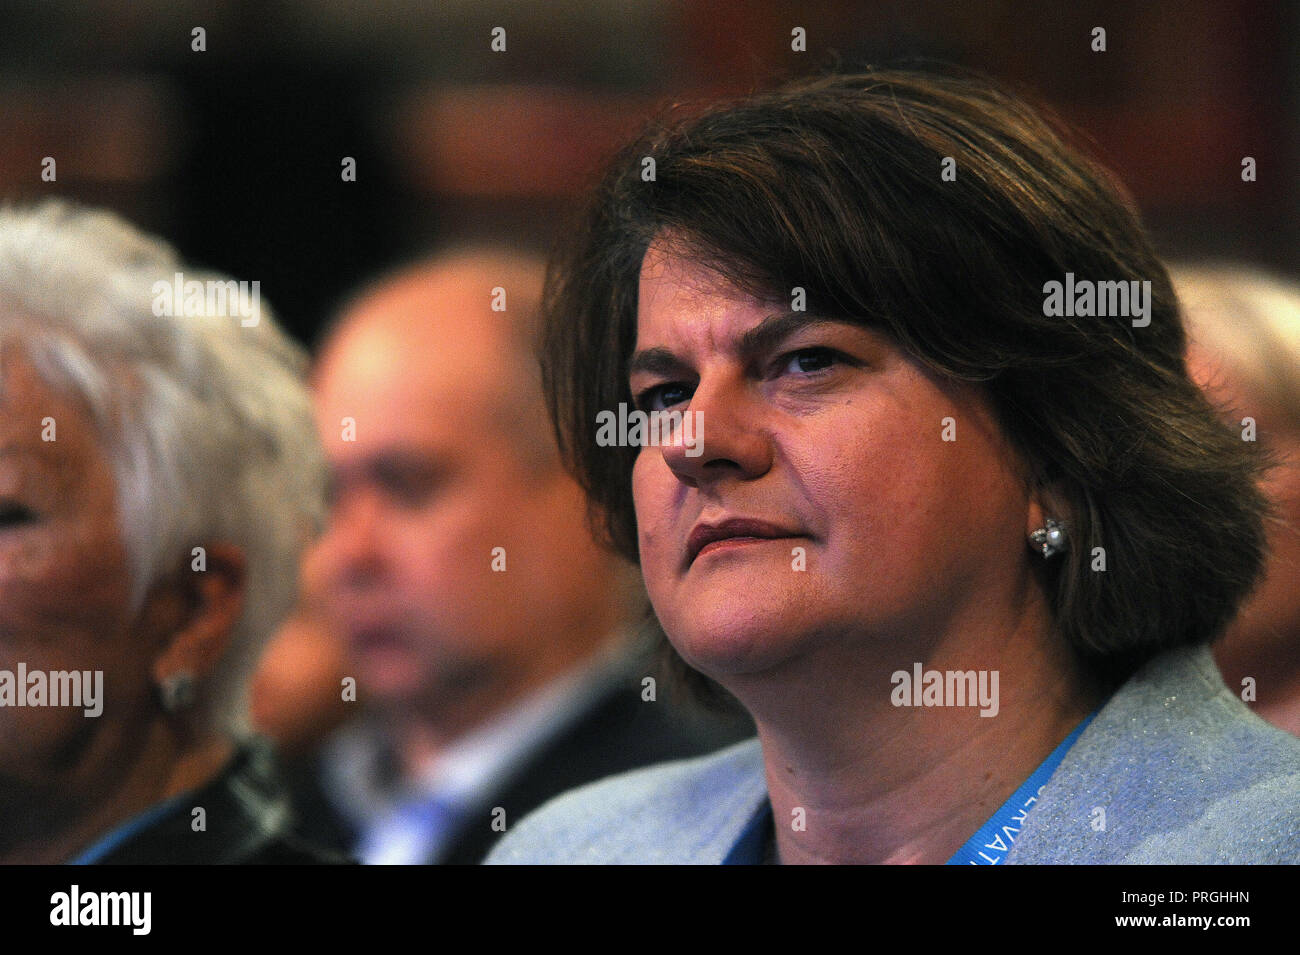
pixel 834 185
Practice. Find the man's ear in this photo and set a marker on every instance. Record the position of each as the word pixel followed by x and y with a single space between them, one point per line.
pixel 211 601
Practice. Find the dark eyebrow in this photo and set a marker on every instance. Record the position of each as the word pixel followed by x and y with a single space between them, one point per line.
pixel 759 340
pixel 399 463
pixel 387 465
pixel 774 329
pixel 656 361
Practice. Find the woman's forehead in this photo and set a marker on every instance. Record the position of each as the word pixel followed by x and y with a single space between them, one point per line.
pixel 41 427
pixel 680 282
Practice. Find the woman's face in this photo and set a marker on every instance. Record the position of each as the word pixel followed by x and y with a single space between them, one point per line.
pixel 64 584
pixel 866 525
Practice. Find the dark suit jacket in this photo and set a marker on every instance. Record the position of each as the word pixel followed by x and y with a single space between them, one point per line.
pixel 617 732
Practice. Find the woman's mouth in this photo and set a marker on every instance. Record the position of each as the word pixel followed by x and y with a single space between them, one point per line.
pixel 732 533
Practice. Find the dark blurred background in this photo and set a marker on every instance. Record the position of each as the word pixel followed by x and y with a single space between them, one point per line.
pixel 235 153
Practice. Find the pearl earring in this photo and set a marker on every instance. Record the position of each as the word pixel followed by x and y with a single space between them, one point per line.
pixel 177 691
pixel 1052 538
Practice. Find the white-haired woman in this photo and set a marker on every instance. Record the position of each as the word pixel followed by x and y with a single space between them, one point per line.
pixel 158 478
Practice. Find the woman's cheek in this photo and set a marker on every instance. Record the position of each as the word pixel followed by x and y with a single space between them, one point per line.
pixel 26 559
pixel 652 504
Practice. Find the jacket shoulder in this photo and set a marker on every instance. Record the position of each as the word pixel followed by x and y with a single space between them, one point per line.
pixel 687 811
pixel 1181 771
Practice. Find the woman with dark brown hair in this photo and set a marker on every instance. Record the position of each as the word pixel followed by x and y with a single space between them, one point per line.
pixel 910 460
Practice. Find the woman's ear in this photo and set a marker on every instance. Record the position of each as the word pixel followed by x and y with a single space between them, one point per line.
pixel 1046 500
pixel 207 600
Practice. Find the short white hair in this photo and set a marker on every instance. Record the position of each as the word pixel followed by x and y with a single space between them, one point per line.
pixel 206 420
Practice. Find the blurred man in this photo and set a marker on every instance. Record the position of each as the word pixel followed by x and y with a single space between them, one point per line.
pixel 489 634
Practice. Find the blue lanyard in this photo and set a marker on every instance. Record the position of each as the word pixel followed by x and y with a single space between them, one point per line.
pixel 993 840
pixel 128 830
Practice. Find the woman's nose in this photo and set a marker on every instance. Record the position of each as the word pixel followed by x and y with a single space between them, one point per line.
pixel 723 434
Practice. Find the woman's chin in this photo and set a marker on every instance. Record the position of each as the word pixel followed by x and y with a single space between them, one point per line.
pixel 721 644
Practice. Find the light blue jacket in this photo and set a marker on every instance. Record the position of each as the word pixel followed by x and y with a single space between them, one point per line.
pixel 1184 771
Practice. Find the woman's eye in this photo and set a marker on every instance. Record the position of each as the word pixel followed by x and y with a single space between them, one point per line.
pixel 808 360
pixel 664 396
pixel 13 515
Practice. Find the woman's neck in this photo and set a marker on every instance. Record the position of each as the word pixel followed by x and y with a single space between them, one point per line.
pixel 49 825
pixel 858 773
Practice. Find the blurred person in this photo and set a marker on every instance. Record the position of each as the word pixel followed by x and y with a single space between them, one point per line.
pixel 159 475
pixel 1244 349
pixel 299 694
pixel 956 538
pixel 489 634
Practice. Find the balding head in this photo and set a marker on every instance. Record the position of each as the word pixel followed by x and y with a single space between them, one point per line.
pixel 466 320
pixel 458 558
